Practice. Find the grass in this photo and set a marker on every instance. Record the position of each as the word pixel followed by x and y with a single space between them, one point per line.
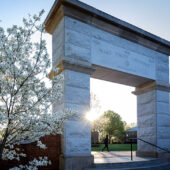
pixel 115 147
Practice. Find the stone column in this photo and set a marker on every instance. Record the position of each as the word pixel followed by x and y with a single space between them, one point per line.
pixel 76 140
pixel 153 118
pixel 76 67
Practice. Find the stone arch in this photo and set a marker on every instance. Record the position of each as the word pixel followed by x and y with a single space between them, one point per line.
pixel 90 43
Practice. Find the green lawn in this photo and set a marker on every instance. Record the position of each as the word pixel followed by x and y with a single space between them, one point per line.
pixel 115 147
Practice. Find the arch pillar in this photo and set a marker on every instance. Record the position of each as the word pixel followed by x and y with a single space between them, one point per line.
pixel 76 139
pixel 153 118
pixel 83 36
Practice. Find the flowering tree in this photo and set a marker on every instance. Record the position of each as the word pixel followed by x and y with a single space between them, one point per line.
pixel 25 94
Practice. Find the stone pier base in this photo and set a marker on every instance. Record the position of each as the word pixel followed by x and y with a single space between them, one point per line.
pixel 162 155
pixel 147 154
pixel 76 162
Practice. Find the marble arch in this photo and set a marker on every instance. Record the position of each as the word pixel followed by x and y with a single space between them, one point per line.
pixel 88 43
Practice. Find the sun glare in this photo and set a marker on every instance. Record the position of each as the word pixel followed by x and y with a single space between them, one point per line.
pixel 91 116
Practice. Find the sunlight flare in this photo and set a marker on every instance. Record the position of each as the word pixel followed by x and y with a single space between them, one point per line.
pixel 92 115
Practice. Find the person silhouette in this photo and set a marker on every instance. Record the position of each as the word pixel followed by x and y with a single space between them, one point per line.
pixel 106 143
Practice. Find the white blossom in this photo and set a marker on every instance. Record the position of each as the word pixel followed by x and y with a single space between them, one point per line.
pixel 26 95
pixel 41 145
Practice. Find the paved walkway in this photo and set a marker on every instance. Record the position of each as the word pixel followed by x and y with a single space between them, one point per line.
pixel 116 157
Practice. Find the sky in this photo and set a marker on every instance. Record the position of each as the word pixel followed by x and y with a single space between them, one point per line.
pixel 150 15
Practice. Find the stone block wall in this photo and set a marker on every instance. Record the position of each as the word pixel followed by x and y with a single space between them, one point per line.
pixel 88 43
pixel 153 119
pixel 163 119
pixel 58 38
pixel 85 44
pixel 146 120
pixel 77 130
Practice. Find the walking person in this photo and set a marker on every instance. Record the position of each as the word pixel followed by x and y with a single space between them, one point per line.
pixel 106 143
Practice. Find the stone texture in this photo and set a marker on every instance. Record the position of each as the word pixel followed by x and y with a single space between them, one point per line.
pixel 91 31
pixel 118 60
pixel 162 69
pixel 77 39
pixel 162 107
pixel 80 108
pixel 76 162
pixel 164 143
pixel 163 120
pixel 77 52
pixel 147 97
pixel 163 96
pixel 76 139
pixel 110 51
pixel 58 41
pixel 163 132
pixel 77 95
pixel 146 119
pixel 81 80
pixel 153 121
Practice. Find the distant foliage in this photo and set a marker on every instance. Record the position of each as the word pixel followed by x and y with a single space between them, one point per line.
pixel 110 123
pixel 114 126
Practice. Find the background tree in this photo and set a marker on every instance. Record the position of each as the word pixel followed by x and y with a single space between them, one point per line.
pixel 26 95
pixel 115 125
pixel 98 125
pixel 110 123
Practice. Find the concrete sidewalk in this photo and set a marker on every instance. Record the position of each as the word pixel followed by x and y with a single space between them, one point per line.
pixel 117 156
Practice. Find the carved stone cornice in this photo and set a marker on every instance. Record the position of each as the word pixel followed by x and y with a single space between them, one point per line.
pixel 89 15
pixel 72 64
pixel 154 85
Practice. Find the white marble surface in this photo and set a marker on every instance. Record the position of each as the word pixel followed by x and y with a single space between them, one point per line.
pixel 80 41
pixel 101 48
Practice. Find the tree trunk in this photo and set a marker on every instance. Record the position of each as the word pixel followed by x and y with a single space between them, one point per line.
pixel 2 145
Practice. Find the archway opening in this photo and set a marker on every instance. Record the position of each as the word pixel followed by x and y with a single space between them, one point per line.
pixel 118 98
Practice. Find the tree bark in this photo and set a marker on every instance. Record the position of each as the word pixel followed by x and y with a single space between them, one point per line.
pixel 2 145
